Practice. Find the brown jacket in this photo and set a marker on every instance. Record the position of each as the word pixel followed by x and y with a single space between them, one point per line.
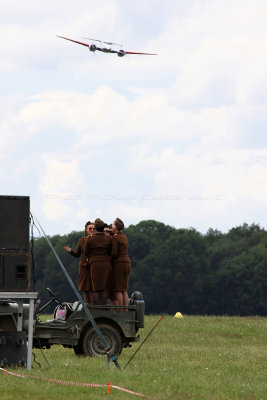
pixel 98 249
pixel 84 277
pixel 121 264
pixel 119 250
pixel 79 252
pixel 97 245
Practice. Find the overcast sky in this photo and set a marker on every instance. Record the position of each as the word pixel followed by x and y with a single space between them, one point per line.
pixel 180 137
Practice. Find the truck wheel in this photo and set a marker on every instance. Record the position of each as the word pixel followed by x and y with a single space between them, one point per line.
pixel 92 346
pixel 78 350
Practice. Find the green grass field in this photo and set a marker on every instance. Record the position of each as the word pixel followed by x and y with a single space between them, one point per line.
pixel 191 358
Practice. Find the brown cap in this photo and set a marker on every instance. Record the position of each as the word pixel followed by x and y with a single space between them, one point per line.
pixel 119 224
pixel 99 225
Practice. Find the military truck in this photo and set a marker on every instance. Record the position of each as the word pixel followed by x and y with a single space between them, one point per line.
pixel 70 326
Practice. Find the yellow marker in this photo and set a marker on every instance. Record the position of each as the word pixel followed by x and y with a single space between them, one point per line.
pixel 178 315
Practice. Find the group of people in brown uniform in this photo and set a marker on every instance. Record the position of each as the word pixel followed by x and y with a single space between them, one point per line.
pixel 104 268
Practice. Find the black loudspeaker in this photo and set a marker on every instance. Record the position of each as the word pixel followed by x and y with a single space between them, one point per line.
pixel 14 223
pixel 15 272
pixel 13 349
pixel 14 244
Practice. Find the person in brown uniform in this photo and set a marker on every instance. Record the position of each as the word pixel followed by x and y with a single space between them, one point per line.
pixel 84 276
pixel 98 249
pixel 121 264
pixel 108 229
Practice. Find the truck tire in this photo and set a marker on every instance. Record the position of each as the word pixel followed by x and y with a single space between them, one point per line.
pixel 78 350
pixel 92 345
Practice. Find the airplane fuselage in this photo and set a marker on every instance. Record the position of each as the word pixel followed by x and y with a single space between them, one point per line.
pixel 107 50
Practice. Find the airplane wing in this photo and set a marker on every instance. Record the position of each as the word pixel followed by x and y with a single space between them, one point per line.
pixel 110 43
pixel 94 40
pixel 146 54
pixel 76 41
pixel 83 44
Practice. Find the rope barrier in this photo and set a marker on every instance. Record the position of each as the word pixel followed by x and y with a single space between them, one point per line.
pixel 72 383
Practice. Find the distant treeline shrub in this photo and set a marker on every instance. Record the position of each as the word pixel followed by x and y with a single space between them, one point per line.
pixel 176 269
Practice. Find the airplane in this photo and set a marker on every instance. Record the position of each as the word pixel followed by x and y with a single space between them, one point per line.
pixel 105 49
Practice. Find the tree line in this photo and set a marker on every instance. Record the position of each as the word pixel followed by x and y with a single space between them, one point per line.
pixel 175 269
